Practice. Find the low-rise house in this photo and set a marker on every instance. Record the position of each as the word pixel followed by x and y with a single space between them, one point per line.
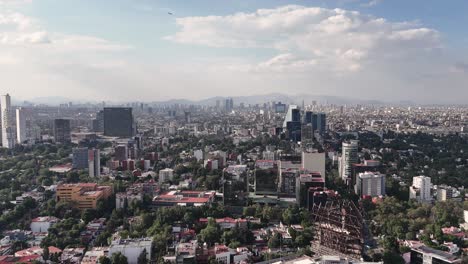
pixel 92 256
pixel 72 255
pixel 131 248
pixel 43 223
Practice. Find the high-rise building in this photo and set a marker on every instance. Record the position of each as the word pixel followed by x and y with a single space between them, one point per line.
pixel 321 123
pixel 21 135
pixel 98 123
pixel 421 189
pixel 228 105
pixel 8 139
pixel 349 156
pixel 314 162
pixel 121 152
pixel 370 184
pixel 80 158
pixel 94 163
pixel 62 131
pixel 118 122
pixel 290 115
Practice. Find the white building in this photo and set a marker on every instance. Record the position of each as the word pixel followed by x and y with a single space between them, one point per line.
pixel 8 139
pixel 21 125
pixel 198 154
pixel 268 155
pixel 42 224
pixel 421 189
pixel 166 175
pixel 314 162
pixel 370 184
pixel 131 248
pixel 349 156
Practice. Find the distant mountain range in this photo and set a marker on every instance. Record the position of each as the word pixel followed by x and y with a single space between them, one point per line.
pixel 249 99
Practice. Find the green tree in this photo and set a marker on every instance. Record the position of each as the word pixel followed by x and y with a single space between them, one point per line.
pixel 142 258
pixel 104 260
pixel 118 258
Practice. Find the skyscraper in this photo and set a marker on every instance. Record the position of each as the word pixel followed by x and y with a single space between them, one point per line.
pixel 349 156
pixel 21 135
pixel 118 122
pixel 8 140
pixel 98 123
pixel 62 131
pixel 94 163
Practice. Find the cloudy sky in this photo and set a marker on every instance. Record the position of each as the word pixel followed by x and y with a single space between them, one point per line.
pixel 135 50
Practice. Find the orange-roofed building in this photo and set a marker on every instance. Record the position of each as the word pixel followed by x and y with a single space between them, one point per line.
pixel 85 195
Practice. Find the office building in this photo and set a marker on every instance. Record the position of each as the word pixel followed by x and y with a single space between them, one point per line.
pixel 62 131
pixel 8 139
pixel 94 163
pixel 314 162
pixel 228 105
pixel 80 158
pixel 280 108
pixel 21 134
pixel 118 122
pixel 98 123
pixel 84 195
pixel 370 184
pixel 421 189
pixel 349 156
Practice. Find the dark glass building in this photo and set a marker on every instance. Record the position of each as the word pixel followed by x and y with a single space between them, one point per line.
pixel 62 131
pixel 118 122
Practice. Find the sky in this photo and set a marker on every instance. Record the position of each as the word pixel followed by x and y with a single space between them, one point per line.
pixel 152 50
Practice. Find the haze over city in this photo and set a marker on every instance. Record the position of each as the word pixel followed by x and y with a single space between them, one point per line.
pixel 154 50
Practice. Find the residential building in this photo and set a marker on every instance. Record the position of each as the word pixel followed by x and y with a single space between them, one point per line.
pixel 421 189
pixel 184 198
pixel 349 156
pixel 21 133
pixel 370 184
pixel 92 256
pixel 8 139
pixel 427 255
pixel 131 248
pixel 43 223
pixel 166 175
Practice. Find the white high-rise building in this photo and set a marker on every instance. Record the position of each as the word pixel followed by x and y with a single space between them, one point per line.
pixel 8 139
pixel 21 125
pixel 421 189
pixel 370 184
pixel 349 156
pixel 289 114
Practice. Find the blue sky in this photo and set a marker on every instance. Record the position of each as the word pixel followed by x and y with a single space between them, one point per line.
pixel 134 50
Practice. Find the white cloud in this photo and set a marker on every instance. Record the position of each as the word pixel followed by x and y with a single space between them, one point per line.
pixel 336 39
pixel 372 3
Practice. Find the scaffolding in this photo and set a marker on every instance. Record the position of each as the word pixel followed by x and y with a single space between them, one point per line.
pixel 338 229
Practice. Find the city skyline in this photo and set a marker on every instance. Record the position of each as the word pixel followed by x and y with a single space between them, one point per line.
pixel 157 50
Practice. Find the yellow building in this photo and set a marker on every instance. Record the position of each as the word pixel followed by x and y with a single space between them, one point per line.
pixel 85 195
